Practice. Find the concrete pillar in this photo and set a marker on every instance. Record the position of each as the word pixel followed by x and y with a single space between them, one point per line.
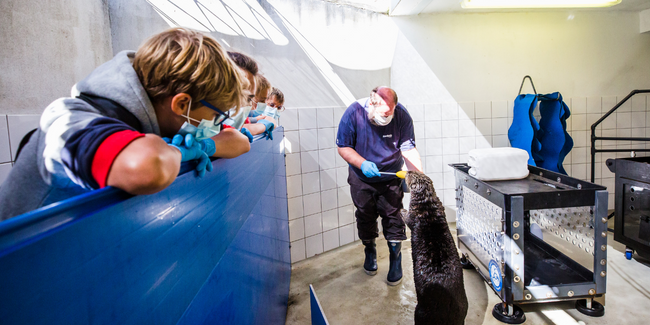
pixel 644 21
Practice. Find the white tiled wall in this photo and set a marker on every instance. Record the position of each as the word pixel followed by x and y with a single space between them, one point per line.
pixel 320 207
pixel 12 130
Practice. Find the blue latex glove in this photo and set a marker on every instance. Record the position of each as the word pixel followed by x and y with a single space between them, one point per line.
pixel 248 134
pixel 191 150
pixel 207 145
pixel 268 133
pixel 369 169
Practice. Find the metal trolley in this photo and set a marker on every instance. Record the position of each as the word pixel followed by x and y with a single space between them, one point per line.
pixel 538 239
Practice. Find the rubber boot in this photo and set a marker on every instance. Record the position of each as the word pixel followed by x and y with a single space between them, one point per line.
pixel 395 271
pixel 370 264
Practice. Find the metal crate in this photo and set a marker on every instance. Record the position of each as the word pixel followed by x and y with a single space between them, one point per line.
pixel 632 204
pixel 538 239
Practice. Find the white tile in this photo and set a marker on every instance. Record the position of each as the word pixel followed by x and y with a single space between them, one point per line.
pixel 5 151
pixel 309 161
pixel 4 172
pixel 466 108
pixel 327 158
pixel 313 225
pixel 314 245
pixel 432 112
pixel 579 139
pixel 594 105
pixel 626 106
pixel 499 126
pixel 330 239
pixel 449 111
pixel 465 144
pixel 433 164
pixel 578 105
pixel 294 186
pixel 450 129
pixel 450 180
pixel 638 133
pixel 340 162
pixel 295 207
pixel 638 103
pixel 293 139
pixel 308 140
pixel 500 141
pixel 311 183
pixel 449 159
pixel 433 129
pixel 466 128
pixel 579 171
pixel 499 108
pixel 338 112
pixel 638 119
pixel 330 219
pixel 484 126
pixel 329 199
pixel 579 122
pixel 433 147
pixel 325 117
pixel 307 118
pixel 293 163
pixel 483 142
pixel 579 155
pixel 326 138
pixel 623 120
pixel 592 118
pixel 450 146
pixel 449 198
pixel 608 102
pixel 483 110
pixel 418 129
pixel 311 203
pixel 344 197
pixel 342 176
pixel 416 112
pixel 19 125
pixel 346 215
pixel 346 234
pixel 297 249
pixel 327 179
pixel 437 179
pixel 297 229
pixel 290 119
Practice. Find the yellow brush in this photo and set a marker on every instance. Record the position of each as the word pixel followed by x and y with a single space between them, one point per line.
pixel 400 174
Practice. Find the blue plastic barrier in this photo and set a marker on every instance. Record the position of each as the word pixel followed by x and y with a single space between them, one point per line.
pixel 211 250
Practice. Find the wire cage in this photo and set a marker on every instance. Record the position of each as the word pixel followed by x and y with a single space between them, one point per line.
pixel 538 239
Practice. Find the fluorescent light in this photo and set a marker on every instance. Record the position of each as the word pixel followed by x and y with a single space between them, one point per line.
pixel 478 4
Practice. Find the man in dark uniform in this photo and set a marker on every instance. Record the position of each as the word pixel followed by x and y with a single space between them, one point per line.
pixel 376 134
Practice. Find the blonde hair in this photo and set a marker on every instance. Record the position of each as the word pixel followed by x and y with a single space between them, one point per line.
pixel 180 60
pixel 263 86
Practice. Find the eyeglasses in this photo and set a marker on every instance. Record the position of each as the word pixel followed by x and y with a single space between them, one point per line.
pixel 221 116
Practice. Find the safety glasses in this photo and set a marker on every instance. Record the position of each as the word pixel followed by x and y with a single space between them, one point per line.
pixel 221 116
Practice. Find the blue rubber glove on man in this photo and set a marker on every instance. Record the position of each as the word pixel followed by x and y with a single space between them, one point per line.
pixel 195 150
pixel 369 169
pixel 268 133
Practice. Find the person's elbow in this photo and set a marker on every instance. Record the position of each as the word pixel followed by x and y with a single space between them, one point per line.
pixel 231 143
pixel 144 167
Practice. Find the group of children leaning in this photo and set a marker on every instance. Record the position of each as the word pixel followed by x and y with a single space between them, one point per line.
pixel 133 120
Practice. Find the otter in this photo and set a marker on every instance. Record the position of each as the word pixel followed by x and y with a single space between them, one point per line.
pixel 437 271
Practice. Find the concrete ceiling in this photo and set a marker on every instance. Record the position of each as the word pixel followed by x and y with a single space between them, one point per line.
pixel 414 7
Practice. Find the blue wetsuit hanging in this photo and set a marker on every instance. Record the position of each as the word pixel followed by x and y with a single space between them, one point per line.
pixel 524 126
pixel 556 142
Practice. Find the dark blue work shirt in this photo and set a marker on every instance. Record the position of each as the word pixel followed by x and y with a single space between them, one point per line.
pixel 382 145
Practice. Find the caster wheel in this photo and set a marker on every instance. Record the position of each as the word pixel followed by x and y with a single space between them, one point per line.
pixel 629 253
pixel 501 314
pixel 465 263
pixel 597 310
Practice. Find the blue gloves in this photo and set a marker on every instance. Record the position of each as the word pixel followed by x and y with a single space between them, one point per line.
pixel 369 169
pixel 248 134
pixel 268 133
pixel 194 150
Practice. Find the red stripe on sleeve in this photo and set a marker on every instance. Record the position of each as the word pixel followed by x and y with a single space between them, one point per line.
pixel 248 120
pixel 226 126
pixel 108 151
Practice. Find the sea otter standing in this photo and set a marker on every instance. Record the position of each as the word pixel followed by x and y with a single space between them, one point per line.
pixel 437 271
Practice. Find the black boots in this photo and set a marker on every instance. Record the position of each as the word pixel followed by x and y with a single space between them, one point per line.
pixel 395 271
pixel 370 264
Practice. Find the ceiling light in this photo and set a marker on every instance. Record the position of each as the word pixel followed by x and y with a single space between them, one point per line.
pixel 482 4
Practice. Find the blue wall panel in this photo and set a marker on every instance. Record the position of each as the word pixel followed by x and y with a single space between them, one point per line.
pixel 205 250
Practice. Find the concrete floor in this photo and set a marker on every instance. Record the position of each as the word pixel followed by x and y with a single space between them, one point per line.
pixel 349 296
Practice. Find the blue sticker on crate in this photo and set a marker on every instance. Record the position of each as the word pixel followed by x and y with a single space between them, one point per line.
pixel 495 275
